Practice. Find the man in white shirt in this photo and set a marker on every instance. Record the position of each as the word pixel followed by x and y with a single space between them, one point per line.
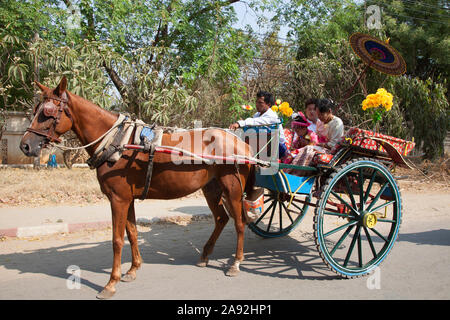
pixel 264 116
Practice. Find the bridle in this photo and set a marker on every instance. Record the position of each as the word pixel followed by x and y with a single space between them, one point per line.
pixel 51 111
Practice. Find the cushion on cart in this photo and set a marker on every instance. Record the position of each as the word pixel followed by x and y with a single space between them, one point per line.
pixel 362 138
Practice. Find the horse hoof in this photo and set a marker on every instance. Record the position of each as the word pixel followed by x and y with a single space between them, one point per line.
pixel 105 294
pixel 233 271
pixel 128 277
pixel 202 263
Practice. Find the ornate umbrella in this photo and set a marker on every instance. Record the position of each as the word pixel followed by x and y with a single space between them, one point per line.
pixel 378 55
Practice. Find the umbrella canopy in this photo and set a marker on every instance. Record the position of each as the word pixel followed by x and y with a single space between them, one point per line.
pixel 378 54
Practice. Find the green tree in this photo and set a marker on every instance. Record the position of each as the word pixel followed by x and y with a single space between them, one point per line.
pixel 326 66
pixel 420 30
pixel 137 52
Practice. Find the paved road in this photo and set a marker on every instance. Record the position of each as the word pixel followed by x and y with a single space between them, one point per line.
pixel 285 268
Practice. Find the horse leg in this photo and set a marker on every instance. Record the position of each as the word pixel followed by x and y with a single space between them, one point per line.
pixel 240 228
pixel 132 235
pixel 233 197
pixel 119 209
pixel 213 193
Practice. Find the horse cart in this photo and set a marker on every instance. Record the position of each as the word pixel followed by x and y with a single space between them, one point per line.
pixel 358 208
pixel 357 201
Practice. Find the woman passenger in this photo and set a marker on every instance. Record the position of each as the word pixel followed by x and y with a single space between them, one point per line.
pixel 333 125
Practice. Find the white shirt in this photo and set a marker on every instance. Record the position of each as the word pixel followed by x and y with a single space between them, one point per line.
pixel 335 131
pixel 267 118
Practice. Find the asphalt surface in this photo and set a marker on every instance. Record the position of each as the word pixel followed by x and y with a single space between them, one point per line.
pixel 288 268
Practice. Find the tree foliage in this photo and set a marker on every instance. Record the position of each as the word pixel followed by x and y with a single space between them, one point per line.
pixel 143 57
pixel 325 66
pixel 171 61
pixel 421 31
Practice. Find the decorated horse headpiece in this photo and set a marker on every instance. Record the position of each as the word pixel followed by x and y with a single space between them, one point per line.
pixel 50 110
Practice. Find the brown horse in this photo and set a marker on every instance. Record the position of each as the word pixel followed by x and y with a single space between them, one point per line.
pixel 124 181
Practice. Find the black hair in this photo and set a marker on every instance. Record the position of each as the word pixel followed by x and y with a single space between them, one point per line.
pixel 313 101
pixel 268 97
pixel 325 105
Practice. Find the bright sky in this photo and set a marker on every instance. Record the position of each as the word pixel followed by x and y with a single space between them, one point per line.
pixel 246 16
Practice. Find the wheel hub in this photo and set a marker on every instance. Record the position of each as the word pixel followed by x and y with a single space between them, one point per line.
pixel 369 220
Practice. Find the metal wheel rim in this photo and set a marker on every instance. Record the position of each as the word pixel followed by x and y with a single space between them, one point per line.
pixel 288 222
pixel 360 229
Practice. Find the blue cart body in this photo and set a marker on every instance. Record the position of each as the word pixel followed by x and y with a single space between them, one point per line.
pixel 284 182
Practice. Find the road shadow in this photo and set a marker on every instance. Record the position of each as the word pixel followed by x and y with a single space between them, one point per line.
pixel 286 257
pixel 192 210
pixel 439 237
pixel 174 244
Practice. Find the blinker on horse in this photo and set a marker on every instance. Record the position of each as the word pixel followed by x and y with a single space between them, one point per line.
pixel 124 181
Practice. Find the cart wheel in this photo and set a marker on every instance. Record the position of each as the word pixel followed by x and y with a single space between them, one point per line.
pixel 357 218
pixel 281 214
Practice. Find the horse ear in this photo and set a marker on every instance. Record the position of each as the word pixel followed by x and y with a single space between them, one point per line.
pixel 62 86
pixel 42 87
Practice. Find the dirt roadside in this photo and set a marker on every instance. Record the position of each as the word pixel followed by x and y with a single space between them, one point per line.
pixel 79 186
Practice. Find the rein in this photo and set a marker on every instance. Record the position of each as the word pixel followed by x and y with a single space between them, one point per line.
pixel 91 143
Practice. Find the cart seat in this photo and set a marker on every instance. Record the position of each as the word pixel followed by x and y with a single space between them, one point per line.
pixel 364 139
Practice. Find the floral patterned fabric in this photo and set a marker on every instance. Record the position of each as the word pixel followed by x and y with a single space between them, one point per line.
pixel 361 138
pixel 289 136
pixel 322 158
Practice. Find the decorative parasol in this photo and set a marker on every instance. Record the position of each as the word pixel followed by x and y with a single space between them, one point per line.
pixel 378 55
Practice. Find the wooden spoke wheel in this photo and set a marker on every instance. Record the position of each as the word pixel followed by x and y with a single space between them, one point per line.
pixel 357 218
pixel 282 213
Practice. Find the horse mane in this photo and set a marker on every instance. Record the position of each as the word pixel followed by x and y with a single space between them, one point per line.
pixel 88 103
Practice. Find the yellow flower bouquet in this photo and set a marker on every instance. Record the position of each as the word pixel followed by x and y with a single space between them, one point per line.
pixel 283 110
pixel 379 102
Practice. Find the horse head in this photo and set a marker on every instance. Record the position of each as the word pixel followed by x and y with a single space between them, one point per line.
pixel 51 119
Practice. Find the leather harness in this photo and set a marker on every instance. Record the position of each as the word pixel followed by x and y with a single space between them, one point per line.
pixel 55 112
pixel 52 111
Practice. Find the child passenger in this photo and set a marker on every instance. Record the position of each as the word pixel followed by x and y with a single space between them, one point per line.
pixel 302 138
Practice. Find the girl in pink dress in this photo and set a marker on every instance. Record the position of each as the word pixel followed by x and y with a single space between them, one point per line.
pixel 303 136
